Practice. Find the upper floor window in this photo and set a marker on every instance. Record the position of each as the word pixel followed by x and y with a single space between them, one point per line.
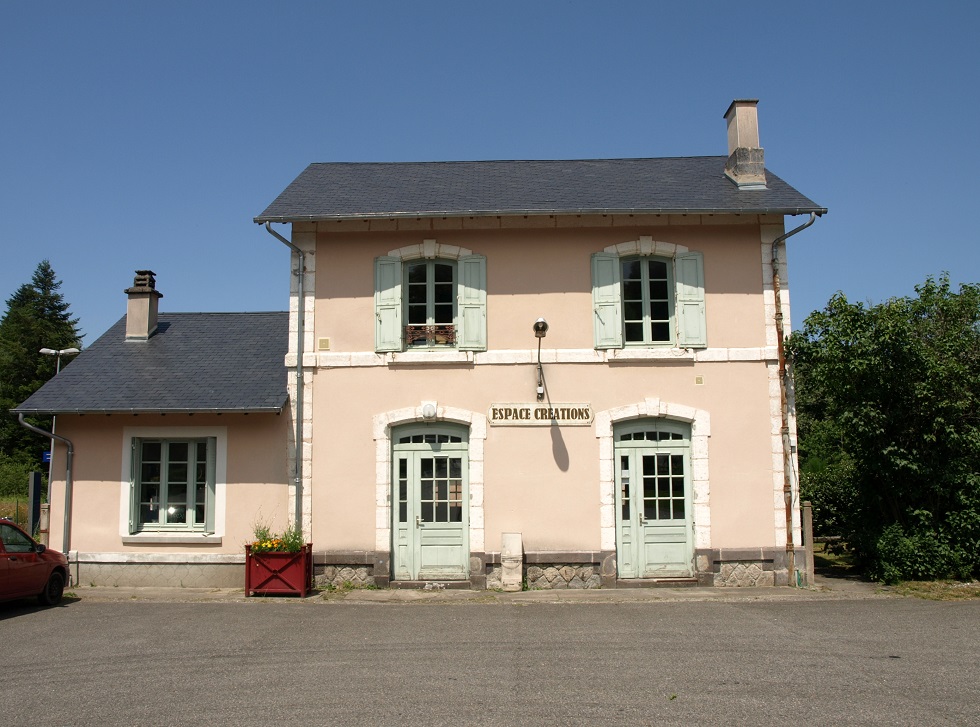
pixel 648 300
pixel 431 302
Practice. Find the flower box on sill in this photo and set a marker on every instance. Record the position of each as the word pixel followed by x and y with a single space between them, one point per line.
pixel 277 573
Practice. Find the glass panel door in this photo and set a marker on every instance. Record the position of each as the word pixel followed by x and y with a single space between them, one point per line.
pixel 430 536
pixel 654 528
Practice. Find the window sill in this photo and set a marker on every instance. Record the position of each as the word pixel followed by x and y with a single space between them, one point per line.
pixel 161 539
pixel 432 357
pixel 648 354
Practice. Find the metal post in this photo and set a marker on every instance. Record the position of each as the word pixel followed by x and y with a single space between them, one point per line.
pixel 808 541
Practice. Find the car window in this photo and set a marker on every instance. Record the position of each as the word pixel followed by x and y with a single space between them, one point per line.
pixel 14 541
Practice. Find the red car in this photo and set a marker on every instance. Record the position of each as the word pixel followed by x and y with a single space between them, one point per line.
pixel 28 568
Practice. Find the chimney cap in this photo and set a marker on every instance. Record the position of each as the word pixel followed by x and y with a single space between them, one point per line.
pixel 144 282
pixel 740 102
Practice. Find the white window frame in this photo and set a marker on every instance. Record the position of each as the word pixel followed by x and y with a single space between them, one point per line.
pixel 647 340
pixel 430 301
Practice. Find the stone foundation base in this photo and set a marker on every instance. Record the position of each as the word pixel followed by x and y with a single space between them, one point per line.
pixel 744 567
pixel 557 575
pixel 719 567
pixel 344 576
pixel 157 574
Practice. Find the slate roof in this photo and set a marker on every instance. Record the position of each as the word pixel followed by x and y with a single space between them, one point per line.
pixel 195 362
pixel 688 185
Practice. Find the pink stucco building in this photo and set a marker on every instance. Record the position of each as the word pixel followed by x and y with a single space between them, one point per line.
pixel 580 357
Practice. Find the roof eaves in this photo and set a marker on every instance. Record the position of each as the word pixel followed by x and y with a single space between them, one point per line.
pixel 286 219
pixel 155 410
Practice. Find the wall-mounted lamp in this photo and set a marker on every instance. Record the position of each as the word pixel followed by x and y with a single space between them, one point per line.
pixel 540 331
pixel 428 410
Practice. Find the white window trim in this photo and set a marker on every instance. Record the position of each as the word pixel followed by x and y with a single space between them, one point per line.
pixel 647 246
pixel 220 482
pixel 430 250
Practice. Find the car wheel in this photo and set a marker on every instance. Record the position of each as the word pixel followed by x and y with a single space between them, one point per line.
pixel 53 591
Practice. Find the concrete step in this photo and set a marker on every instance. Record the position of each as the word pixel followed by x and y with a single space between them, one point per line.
pixel 656 582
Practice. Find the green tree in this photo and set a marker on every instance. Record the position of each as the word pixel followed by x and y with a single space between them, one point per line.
pixel 37 317
pixel 887 400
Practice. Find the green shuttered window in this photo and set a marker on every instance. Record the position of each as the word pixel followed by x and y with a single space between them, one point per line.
pixel 648 301
pixel 430 303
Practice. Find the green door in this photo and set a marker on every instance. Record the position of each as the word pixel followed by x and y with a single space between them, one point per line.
pixel 654 531
pixel 431 509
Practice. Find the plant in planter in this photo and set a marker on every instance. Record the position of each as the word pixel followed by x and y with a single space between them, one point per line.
pixel 278 564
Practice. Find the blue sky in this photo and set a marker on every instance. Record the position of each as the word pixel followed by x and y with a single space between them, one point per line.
pixel 149 134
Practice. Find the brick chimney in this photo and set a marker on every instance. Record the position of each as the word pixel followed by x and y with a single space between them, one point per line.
pixel 141 310
pixel 746 164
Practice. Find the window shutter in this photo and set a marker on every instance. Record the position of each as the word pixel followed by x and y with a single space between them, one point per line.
pixel 471 311
pixel 691 324
pixel 387 304
pixel 134 495
pixel 607 301
pixel 209 498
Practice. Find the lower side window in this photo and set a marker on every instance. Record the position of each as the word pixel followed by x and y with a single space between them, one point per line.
pixel 173 485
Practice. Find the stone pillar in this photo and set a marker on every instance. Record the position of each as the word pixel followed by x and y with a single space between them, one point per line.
pixel 511 561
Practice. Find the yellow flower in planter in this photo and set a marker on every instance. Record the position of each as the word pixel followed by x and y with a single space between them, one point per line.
pixel 290 541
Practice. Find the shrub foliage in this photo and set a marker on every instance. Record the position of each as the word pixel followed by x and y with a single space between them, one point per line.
pixel 887 402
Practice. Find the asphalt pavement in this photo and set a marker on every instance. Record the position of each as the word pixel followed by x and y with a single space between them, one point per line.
pixel 841 654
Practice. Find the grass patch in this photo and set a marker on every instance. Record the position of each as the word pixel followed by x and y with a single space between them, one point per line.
pixel 14 508
pixel 938 590
pixel 835 561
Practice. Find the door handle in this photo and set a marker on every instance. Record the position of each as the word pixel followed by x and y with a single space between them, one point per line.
pixel 418 521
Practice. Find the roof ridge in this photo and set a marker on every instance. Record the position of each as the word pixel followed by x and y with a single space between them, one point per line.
pixel 519 161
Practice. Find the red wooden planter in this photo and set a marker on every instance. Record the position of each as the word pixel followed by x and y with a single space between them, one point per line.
pixel 279 574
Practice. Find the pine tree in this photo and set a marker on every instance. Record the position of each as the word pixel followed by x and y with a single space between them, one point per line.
pixel 37 317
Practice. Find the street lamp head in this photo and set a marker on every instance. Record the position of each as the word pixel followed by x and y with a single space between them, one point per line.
pixel 48 352
pixel 59 352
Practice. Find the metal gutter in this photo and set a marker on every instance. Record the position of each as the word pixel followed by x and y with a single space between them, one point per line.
pixel 66 535
pixel 300 334
pixel 788 460
pixel 135 411
pixel 782 211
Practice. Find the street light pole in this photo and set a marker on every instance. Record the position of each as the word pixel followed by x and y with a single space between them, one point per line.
pixel 57 353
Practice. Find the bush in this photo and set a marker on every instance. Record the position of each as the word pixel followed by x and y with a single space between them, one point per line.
pixel 919 553
pixel 887 399
pixel 14 475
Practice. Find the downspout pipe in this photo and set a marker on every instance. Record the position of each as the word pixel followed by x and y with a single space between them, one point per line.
pixel 784 398
pixel 300 334
pixel 66 535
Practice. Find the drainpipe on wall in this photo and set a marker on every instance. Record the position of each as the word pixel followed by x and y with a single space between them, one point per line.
pixel 66 536
pixel 300 333
pixel 784 399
